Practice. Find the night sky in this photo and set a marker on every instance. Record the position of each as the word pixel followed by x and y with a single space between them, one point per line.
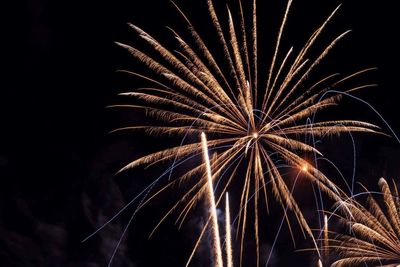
pixel 57 160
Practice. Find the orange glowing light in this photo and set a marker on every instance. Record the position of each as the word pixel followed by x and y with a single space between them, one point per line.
pixel 304 168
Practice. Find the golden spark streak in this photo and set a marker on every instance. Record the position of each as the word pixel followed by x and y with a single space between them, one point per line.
pixel 228 239
pixel 326 240
pixel 216 242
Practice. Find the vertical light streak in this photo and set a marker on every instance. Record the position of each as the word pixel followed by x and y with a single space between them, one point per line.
pixel 326 240
pixel 320 263
pixel 216 242
pixel 228 238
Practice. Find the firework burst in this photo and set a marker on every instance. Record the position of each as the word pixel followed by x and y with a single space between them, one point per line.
pixel 256 120
pixel 374 230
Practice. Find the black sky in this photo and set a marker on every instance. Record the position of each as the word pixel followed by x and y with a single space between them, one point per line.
pixel 57 160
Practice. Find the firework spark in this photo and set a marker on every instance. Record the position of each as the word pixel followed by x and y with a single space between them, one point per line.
pixel 255 125
pixel 375 230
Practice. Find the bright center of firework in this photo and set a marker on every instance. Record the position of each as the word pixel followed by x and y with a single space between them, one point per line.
pixel 304 168
pixel 255 135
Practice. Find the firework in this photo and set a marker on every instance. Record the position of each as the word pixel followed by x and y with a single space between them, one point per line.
pixel 256 126
pixel 216 242
pixel 326 240
pixel 228 239
pixel 374 230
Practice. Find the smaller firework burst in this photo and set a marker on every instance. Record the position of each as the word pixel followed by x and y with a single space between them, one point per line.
pixel 374 229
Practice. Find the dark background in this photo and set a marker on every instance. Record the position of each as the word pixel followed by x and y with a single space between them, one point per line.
pixel 57 160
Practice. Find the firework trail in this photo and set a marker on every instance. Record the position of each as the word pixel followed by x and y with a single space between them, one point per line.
pixel 216 242
pixel 228 239
pixel 326 241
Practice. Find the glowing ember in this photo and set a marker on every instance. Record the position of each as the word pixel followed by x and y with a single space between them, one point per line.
pixel 304 168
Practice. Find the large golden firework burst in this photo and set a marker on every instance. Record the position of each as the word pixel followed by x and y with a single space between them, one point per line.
pixel 256 120
pixel 374 230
